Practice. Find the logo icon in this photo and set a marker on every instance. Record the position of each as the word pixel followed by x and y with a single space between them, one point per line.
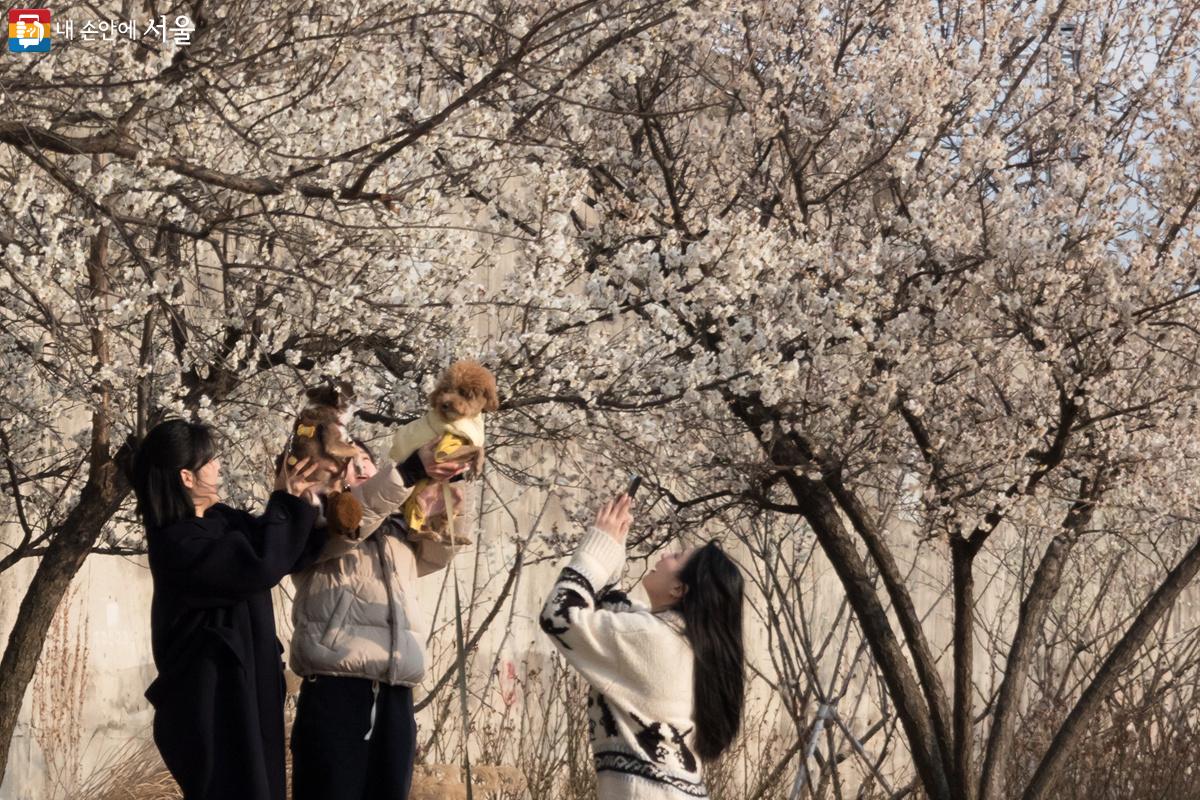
pixel 29 30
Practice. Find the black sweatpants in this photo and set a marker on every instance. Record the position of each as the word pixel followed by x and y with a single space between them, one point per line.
pixel 332 756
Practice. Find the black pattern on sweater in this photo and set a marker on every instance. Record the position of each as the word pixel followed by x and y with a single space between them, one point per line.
pixel 629 764
pixel 555 620
pixel 569 575
pixel 650 739
pixel 686 758
pixel 613 599
pixel 607 721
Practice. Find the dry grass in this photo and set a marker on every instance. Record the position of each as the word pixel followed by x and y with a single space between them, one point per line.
pixel 58 692
pixel 134 772
pixel 1132 753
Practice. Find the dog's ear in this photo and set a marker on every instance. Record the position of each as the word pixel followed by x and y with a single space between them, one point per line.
pixel 345 393
pixel 443 383
pixel 491 396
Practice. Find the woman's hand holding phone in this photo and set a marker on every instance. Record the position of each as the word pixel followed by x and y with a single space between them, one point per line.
pixel 614 518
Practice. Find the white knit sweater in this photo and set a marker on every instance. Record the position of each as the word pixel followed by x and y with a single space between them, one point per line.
pixel 639 665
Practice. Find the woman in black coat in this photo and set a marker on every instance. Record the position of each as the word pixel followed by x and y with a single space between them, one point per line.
pixel 218 697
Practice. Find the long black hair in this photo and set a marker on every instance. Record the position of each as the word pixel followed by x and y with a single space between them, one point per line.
pixel 712 612
pixel 169 447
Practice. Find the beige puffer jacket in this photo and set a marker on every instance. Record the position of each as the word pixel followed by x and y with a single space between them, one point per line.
pixel 356 611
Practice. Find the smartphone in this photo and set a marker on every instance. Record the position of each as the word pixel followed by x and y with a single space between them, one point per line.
pixel 634 483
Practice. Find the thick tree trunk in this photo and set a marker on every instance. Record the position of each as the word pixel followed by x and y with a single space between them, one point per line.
pixel 1034 608
pixel 74 538
pixel 905 611
pixel 962 557
pixel 816 503
pixel 818 509
pixel 1105 680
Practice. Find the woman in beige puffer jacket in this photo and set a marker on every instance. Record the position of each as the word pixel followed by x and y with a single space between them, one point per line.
pixel 359 644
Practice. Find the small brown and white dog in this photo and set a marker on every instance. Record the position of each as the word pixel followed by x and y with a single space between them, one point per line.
pixel 320 430
pixel 455 418
pixel 320 433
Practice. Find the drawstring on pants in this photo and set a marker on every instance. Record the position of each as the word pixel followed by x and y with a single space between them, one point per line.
pixel 374 703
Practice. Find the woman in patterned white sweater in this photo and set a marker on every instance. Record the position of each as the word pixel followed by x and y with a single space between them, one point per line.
pixel 666 681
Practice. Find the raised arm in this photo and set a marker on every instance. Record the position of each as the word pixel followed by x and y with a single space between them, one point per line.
pixel 234 554
pixel 595 640
pixel 384 493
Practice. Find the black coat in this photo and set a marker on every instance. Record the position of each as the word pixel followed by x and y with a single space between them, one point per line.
pixel 218 697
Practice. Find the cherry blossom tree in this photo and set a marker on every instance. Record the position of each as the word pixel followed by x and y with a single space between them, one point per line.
pixel 936 255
